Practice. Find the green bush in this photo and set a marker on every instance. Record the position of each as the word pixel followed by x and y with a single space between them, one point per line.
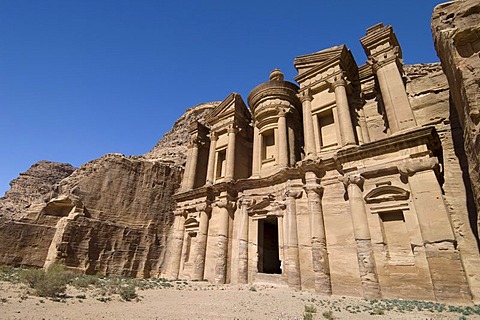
pixel 128 293
pixel 310 309
pixel 328 315
pixel 32 277
pixel 308 316
pixel 51 283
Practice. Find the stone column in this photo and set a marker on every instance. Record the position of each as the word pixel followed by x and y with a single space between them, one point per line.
pixel 308 127
pixel 230 167
pixel 318 133
pixel 366 259
pixel 363 125
pixel 257 151
pixel 320 262
pixel 211 158
pixel 224 208
pixel 177 244
pixel 346 127
pixel 191 166
pixel 201 242
pixel 282 139
pixel 395 99
pixel 292 252
pixel 243 241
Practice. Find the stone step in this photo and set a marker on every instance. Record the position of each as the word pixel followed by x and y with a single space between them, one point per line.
pixel 275 280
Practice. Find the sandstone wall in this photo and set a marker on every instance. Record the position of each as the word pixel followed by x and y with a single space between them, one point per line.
pixel 456 32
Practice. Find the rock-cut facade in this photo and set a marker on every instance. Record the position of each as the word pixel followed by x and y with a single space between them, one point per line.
pixel 331 184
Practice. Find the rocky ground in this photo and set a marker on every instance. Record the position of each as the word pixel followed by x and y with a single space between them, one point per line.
pixel 102 298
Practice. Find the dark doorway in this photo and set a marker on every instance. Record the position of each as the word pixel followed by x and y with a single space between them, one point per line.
pixel 268 256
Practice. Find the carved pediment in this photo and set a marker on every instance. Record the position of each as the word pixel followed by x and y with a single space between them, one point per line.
pixel 191 224
pixel 232 107
pixel 387 193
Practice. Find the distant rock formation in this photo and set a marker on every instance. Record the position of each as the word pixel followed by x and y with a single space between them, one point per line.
pixel 32 186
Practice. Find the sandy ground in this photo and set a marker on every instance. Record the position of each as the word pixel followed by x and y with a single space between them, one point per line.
pixel 196 300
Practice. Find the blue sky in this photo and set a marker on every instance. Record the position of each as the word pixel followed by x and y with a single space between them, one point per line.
pixel 79 79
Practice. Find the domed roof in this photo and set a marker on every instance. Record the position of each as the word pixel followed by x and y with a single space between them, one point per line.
pixel 275 88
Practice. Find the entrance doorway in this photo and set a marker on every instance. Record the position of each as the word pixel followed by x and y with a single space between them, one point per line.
pixel 268 251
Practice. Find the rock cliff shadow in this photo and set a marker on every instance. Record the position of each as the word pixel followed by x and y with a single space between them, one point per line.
pixel 457 135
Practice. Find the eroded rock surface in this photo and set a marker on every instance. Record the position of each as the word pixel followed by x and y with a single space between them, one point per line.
pixel 110 216
pixel 173 145
pixel 456 31
pixel 32 186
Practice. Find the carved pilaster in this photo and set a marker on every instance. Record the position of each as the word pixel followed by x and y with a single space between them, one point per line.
pixel 243 204
pixel 308 126
pixel 204 211
pixel 282 139
pixel 292 253
pixel 339 84
pixel 177 243
pixel 366 259
pixel 230 167
pixel 320 261
pixel 224 208
pixel 211 158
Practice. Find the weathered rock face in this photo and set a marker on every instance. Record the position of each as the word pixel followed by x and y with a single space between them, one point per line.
pixel 456 31
pixel 32 186
pixel 173 145
pixel 111 216
pixel 124 210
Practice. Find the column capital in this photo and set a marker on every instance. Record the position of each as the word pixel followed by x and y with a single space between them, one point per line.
pixel 411 166
pixel 193 142
pixel 233 128
pixel 339 80
pixel 245 202
pixel 281 112
pixel 305 95
pixel 378 62
pixel 311 189
pixel 213 136
pixel 225 203
pixel 356 179
pixel 179 212
pixel 295 194
pixel 204 207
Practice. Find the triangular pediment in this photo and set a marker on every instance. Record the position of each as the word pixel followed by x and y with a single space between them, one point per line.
pixel 387 193
pixel 232 107
pixel 339 57
pixel 312 59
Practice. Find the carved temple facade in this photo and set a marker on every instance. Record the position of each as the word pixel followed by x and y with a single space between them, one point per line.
pixel 298 190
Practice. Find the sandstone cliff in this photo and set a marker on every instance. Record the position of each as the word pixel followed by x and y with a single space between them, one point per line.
pixel 111 216
pixel 32 186
pixel 456 32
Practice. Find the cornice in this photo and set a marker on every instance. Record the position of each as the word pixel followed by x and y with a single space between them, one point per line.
pixel 427 135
